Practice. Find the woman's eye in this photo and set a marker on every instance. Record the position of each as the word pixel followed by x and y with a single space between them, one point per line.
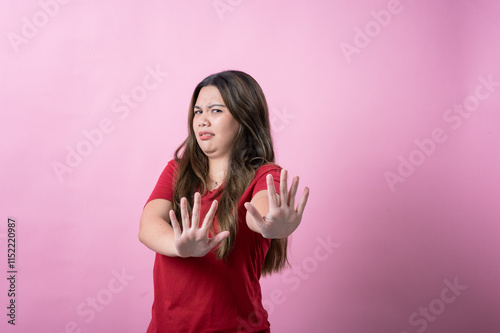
pixel 216 110
pixel 197 111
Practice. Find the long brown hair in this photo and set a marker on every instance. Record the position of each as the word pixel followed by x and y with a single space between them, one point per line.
pixel 252 148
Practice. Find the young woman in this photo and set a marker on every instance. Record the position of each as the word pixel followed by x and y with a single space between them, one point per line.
pixel 220 214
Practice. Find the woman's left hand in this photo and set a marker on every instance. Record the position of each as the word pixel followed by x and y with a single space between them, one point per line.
pixel 282 218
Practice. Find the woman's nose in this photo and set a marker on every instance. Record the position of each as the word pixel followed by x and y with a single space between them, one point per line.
pixel 203 121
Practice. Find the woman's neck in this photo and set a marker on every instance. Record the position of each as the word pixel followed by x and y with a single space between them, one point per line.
pixel 217 170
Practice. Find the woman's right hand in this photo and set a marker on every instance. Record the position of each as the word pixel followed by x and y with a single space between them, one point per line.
pixel 192 240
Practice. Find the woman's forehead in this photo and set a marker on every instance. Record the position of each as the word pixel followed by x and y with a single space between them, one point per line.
pixel 209 95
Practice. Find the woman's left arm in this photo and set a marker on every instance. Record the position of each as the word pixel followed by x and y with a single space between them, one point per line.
pixel 272 215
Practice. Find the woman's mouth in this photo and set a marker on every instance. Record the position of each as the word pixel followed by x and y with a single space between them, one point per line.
pixel 205 135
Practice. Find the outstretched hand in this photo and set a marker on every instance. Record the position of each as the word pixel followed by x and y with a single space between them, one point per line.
pixel 283 218
pixel 192 240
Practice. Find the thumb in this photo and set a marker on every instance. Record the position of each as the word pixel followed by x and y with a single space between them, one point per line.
pixel 218 238
pixel 254 213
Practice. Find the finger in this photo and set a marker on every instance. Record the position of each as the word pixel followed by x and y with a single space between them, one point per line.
pixel 184 214
pixel 175 225
pixel 283 188
pixel 209 218
pixel 271 192
pixel 195 223
pixel 303 201
pixel 293 191
pixel 217 239
pixel 254 212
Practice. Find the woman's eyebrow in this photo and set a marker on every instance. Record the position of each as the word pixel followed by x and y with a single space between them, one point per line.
pixel 218 105
pixel 210 106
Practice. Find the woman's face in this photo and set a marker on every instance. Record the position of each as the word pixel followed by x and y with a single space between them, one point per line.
pixel 214 126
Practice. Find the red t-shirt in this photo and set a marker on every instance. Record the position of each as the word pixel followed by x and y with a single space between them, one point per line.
pixel 207 294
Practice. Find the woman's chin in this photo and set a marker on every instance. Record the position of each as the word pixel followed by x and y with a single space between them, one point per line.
pixel 210 152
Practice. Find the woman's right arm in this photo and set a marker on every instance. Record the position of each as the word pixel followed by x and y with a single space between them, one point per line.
pixel 154 230
pixel 192 240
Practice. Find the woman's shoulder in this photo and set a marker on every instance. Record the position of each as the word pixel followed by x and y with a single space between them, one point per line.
pixel 269 166
pixel 170 170
pixel 173 164
pixel 259 182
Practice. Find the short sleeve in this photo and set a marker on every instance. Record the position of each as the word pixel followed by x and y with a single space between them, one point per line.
pixel 164 188
pixel 260 178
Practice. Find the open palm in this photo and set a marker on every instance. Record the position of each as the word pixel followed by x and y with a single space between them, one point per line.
pixel 193 240
pixel 283 218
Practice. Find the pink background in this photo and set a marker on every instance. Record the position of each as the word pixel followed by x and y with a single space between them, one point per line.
pixel 342 120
